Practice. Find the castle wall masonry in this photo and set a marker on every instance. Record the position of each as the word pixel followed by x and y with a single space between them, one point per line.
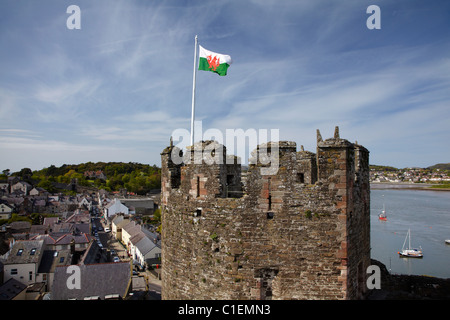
pixel 301 233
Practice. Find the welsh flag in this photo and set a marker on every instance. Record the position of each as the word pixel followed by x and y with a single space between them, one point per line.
pixel 215 62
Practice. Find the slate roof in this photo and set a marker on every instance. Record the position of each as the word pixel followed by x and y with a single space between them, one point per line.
pixel 53 258
pixel 79 238
pixel 82 227
pixel 137 237
pixel 19 226
pixel 131 228
pixel 100 280
pixel 155 237
pixel 11 289
pixel 25 251
pixel 62 227
pixel 117 219
pixel 56 238
pixel 48 239
pixel 38 229
pixel 50 221
pixel 122 223
pixel 145 245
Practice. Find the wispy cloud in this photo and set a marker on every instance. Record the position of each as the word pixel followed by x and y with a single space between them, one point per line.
pixel 8 105
pixel 66 92
pixel 125 79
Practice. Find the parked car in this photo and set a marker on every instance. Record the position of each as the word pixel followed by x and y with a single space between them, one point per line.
pixel 116 259
pixel 107 230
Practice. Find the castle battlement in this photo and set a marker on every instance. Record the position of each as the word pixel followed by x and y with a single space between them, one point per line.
pixel 302 232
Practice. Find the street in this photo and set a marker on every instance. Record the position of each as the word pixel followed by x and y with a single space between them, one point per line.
pixel 154 287
pixel 109 242
pixel 97 227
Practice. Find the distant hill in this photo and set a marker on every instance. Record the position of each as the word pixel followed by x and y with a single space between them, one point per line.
pixel 135 177
pixel 382 168
pixel 440 166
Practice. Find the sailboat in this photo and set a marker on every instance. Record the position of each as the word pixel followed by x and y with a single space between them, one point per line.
pixel 409 252
pixel 382 215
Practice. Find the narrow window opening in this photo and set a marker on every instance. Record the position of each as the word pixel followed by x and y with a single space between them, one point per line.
pixel 175 178
pixel 301 177
pixel 265 278
pixel 198 186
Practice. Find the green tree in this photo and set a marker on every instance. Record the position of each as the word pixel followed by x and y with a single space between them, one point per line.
pixel 25 174
pixel 16 217
pixel 126 178
pixel 157 216
pixel 47 185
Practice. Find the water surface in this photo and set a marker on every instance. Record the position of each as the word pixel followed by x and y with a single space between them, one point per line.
pixel 427 214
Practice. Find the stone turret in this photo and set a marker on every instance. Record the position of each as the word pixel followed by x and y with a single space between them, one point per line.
pixel 301 232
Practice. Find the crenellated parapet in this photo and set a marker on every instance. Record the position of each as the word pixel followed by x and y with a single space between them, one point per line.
pixel 301 231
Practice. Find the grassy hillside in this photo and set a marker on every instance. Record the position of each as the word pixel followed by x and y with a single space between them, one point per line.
pixel 440 166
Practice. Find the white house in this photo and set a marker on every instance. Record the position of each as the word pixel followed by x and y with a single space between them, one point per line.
pixel 37 191
pixel 5 211
pixel 85 202
pixel 23 261
pixel 146 249
pixel 113 208
pixel 142 244
pixel 23 186
pixel 117 224
pixel 129 231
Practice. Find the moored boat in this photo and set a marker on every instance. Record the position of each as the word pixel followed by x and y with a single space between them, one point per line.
pixel 382 215
pixel 410 252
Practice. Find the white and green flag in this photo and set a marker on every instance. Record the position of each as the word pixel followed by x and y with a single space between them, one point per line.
pixel 214 62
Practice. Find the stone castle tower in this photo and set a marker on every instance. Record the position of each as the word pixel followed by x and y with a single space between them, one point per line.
pixel 301 233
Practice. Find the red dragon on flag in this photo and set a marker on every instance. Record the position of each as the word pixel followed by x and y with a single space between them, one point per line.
pixel 213 62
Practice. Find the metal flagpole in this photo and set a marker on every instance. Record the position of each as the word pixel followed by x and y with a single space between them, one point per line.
pixel 193 91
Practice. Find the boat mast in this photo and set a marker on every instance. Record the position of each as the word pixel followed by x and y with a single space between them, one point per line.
pixel 409 232
pixel 404 242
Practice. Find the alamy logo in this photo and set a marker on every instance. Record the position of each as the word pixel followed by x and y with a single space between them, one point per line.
pixel 374 21
pixel 74 280
pixel 374 280
pixel 74 20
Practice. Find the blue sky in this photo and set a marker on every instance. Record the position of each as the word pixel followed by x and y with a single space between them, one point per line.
pixel 116 89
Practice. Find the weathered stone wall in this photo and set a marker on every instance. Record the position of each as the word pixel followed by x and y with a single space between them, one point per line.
pixel 302 233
